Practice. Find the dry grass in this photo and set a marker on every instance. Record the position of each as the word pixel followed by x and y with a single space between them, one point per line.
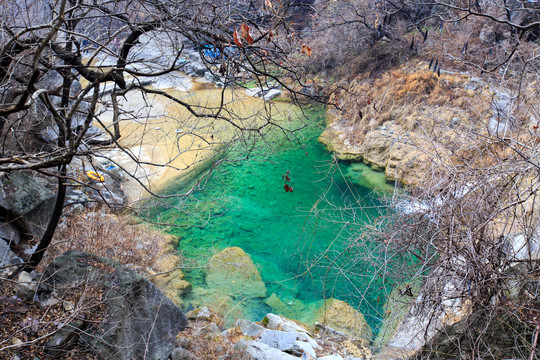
pixel 97 232
pixel 415 84
pixel 401 96
pixel 202 342
pixel 26 328
pixel 410 96
pixel 140 247
pixel 103 234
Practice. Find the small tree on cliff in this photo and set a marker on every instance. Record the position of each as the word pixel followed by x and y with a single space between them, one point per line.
pixel 64 63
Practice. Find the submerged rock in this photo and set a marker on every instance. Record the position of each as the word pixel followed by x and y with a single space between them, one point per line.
pixel 341 316
pixel 216 301
pixel 172 280
pixel 364 176
pixel 234 286
pixel 293 308
pixel 233 272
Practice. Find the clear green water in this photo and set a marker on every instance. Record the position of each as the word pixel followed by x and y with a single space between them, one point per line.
pixel 298 239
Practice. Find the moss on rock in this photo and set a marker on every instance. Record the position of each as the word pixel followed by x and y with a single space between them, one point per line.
pixel 232 271
pixel 341 316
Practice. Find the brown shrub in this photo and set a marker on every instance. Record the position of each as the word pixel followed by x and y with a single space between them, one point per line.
pixel 108 235
pixel 418 83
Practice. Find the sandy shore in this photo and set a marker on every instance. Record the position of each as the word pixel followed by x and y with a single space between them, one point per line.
pixel 161 139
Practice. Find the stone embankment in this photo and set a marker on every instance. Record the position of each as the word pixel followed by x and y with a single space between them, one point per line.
pixel 273 338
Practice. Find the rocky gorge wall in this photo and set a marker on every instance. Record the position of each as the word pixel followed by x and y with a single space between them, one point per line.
pixel 420 127
pixel 409 120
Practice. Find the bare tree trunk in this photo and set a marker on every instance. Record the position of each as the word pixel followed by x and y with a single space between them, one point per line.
pixel 37 256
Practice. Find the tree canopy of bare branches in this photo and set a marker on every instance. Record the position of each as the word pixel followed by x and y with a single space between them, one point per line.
pixel 66 65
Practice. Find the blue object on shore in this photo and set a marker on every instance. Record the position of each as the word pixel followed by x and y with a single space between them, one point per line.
pixel 214 53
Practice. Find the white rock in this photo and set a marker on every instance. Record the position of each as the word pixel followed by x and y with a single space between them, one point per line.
pixel 331 357
pixel 249 328
pixel 281 340
pixel 522 248
pixel 255 92
pixel 266 93
pixel 304 347
pixel 26 286
pixel 272 93
pixel 174 80
pixel 276 322
pixel 254 350
pixel 203 314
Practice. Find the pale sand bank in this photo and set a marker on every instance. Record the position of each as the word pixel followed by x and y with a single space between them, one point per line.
pixel 167 140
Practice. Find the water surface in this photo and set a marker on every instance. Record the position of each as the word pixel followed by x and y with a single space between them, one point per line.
pixel 297 239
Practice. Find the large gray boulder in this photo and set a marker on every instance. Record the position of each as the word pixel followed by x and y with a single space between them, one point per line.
pixel 29 198
pixel 7 259
pixel 139 322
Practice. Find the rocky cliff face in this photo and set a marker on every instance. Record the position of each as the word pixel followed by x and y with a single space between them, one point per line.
pixel 409 120
pixel 470 134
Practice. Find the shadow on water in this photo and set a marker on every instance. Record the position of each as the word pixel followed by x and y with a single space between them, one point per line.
pixel 299 240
